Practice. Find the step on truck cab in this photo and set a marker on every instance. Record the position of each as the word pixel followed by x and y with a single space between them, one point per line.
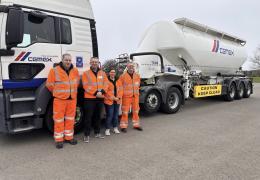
pixel 34 35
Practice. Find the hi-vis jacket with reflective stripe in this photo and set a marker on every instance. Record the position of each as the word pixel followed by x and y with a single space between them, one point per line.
pixel 109 96
pixel 131 85
pixel 62 85
pixel 92 83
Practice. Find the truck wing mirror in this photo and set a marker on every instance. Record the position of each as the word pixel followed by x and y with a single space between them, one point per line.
pixel 14 28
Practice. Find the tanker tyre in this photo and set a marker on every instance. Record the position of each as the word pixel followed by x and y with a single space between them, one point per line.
pixel 173 101
pixel 152 102
pixel 248 90
pixel 79 121
pixel 240 91
pixel 230 96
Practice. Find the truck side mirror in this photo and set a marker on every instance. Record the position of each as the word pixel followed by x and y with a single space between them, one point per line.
pixel 14 28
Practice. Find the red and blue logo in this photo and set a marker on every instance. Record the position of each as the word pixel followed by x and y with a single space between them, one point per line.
pixel 215 46
pixel 23 56
pixel 222 50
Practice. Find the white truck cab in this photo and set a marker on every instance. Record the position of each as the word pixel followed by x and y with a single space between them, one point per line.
pixel 33 37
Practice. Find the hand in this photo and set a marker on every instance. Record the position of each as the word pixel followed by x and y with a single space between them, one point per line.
pixel 99 95
pixel 116 99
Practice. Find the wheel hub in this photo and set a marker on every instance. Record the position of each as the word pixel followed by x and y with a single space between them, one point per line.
pixel 173 100
pixel 152 100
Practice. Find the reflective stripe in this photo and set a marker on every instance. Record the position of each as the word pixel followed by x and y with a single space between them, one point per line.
pixel 124 112
pixel 63 90
pixel 58 135
pixel 71 134
pixel 88 77
pixel 50 84
pixel 57 76
pixel 94 83
pixel 90 83
pixel 59 120
pixel 88 90
pixel 69 118
pixel 68 131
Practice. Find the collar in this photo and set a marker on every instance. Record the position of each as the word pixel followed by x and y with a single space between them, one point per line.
pixel 61 65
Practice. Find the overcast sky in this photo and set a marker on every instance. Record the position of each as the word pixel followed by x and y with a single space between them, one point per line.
pixel 121 23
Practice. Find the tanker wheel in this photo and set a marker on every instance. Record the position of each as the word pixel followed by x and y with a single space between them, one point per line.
pixel 49 123
pixel 152 102
pixel 231 92
pixel 248 90
pixel 173 101
pixel 240 91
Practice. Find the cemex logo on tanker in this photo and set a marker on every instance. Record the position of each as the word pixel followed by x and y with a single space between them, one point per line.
pixel 216 48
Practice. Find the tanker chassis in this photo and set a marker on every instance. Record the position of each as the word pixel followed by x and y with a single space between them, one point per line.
pixel 184 59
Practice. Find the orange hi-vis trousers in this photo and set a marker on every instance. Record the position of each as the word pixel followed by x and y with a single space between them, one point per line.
pixel 64 118
pixel 132 102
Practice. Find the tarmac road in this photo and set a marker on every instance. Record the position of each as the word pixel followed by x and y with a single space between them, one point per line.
pixel 207 139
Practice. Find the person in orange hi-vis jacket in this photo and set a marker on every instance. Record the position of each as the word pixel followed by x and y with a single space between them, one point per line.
pixel 95 84
pixel 131 85
pixel 113 99
pixel 63 83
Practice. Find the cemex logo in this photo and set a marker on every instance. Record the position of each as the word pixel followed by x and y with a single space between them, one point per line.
pixel 26 56
pixel 216 48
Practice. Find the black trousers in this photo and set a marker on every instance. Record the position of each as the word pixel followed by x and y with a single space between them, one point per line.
pixel 92 110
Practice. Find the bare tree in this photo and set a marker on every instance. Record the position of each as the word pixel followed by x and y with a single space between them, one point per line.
pixel 119 64
pixel 256 58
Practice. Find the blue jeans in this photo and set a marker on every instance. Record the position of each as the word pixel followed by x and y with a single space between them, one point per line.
pixel 112 112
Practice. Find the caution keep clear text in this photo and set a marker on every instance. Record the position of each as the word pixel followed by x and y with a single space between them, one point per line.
pixel 207 90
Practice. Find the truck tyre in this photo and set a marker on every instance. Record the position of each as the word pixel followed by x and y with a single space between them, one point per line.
pixel 231 92
pixel 152 102
pixel 248 90
pixel 173 101
pixel 49 123
pixel 240 91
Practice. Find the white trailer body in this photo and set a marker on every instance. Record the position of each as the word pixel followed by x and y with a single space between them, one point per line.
pixel 191 59
pixel 203 48
pixel 33 36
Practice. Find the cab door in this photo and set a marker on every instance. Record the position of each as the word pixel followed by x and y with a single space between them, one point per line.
pixel 35 56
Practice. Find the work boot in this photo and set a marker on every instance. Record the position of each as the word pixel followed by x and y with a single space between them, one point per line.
pixel 72 141
pixel 86 139
pixel 116 131
pixel 138 128
pixel 123 130
pixel 59 145
pixel 107 132
pixel 99 136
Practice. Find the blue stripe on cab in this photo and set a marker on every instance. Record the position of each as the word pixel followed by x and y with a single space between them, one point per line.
pixel 10 84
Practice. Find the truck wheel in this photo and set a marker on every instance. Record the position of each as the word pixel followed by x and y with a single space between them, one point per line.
pixel 248 90
pixel 152 102
pixel 231 92
pixel 173 101
pixel 49 123
pixel 240 91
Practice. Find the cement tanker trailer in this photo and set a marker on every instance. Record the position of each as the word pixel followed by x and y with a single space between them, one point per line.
pixel 184 59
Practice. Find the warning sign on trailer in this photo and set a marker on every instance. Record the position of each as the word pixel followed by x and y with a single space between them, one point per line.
pixel 207 90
